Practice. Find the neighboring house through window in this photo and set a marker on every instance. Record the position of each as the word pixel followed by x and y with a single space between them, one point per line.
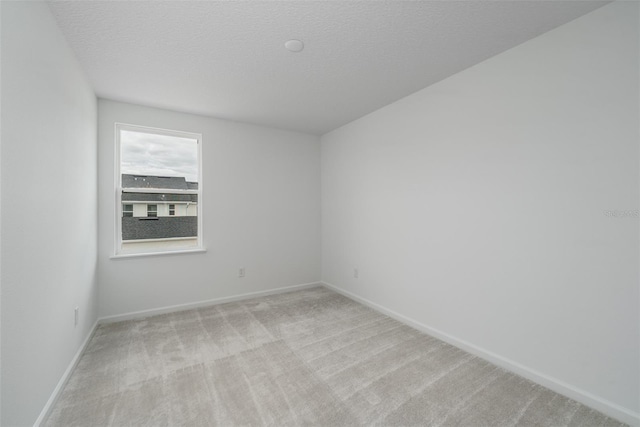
pixel 159 190
pixel 152 211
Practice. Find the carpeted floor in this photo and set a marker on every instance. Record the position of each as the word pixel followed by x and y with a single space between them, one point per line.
pixel 310 357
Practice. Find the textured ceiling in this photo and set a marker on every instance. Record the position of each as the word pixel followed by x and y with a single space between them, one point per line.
pixel 227 59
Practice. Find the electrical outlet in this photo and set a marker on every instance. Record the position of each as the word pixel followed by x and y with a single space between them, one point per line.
pixel 76 313
pixel 356 273
pixel 241 272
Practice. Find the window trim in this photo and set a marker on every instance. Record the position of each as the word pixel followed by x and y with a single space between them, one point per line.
pixel 117 248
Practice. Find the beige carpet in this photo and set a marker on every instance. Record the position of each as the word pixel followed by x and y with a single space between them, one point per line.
pixel 309 357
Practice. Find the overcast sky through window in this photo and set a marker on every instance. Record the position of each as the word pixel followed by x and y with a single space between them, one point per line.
pixel 160 155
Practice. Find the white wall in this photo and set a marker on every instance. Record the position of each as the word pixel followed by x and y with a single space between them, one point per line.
pixel 49 216
pixel 0 223
pixel 477 206
pixel 261 204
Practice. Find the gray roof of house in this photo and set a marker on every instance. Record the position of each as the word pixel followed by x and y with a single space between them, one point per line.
pixel 152 181
pixel 157 197
pixel 159 227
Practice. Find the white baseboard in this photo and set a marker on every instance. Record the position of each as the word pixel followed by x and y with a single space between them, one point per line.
pixel 609 408
pixel 65 377
pixel 188 306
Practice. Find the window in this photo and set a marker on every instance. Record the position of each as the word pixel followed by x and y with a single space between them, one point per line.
pixel 127 210
pixel 156 171
pixel 152 211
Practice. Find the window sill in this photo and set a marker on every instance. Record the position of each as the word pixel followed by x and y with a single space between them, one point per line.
pixel 151 254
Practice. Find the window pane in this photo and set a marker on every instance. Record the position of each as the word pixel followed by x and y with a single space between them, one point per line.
pixel 169 164
pixel 159 156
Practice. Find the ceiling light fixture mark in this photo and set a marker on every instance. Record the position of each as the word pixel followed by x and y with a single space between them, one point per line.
pixel 294 45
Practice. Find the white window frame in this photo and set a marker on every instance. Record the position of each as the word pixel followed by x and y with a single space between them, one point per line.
pixel 118 252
